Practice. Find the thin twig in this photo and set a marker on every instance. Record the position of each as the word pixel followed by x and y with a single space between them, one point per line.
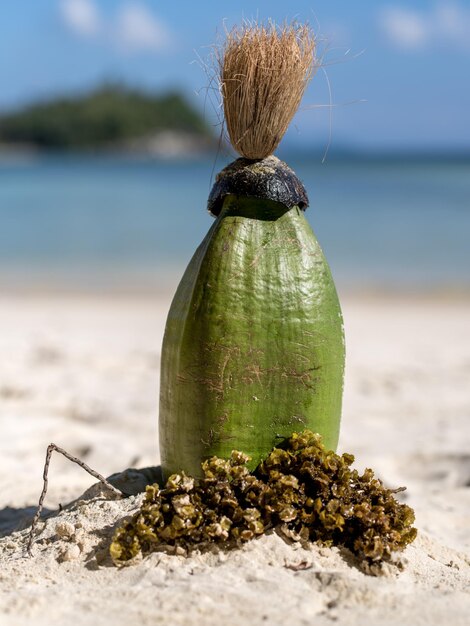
pixel 50 449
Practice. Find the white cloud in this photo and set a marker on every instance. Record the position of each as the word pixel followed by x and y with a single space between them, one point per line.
pixel 138 29
pixel 404 27
pixel 81 16
pixel 132 28
pixel 446 23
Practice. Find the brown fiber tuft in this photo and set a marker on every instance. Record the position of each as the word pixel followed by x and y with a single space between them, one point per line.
pixel 264 71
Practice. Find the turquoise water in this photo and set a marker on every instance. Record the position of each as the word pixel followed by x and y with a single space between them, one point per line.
pixel 381 223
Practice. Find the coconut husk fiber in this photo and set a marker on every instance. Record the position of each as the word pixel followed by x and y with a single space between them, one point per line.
pixel 264 71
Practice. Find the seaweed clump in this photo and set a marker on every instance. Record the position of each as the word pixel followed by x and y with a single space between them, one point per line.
pixel 306 492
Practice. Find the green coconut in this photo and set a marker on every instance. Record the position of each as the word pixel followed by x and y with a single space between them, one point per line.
pixel 254 345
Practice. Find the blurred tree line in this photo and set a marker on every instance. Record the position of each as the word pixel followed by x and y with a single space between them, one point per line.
pixel 109 115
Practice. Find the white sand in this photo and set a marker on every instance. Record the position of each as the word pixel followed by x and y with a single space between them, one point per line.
pixel 83 372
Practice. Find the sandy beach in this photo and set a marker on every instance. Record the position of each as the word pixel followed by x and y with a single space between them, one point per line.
pixel 83 371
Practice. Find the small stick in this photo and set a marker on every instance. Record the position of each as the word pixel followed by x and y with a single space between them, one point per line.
pixel 50 449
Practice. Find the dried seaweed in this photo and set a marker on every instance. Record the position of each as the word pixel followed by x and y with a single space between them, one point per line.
pixel 305 491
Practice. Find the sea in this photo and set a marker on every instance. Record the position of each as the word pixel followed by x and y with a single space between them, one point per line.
pixel 108 221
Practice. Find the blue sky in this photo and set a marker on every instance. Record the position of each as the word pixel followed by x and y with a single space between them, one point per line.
pixel 399 70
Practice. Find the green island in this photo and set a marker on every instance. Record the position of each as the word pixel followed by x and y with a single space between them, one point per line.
pixel 110 116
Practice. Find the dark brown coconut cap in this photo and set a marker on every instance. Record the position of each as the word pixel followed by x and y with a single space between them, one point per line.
pixel 267 179
pixel 264 71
